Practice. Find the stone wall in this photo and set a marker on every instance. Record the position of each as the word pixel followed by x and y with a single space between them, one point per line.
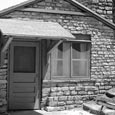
pixel 67 95
pixel 70 94
pixel 3 85
pixel 102 7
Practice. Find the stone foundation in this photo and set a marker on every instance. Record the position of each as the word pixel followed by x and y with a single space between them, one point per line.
pixel 67 95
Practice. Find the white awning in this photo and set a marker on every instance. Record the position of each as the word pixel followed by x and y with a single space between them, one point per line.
pixel 33 28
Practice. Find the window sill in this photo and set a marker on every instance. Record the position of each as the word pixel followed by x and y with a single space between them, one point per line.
pixel 68 80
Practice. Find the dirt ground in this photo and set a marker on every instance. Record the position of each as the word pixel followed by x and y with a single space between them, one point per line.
pixel 41 112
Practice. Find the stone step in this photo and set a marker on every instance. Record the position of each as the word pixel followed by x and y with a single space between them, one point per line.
pixel 93 108
pixel 108 111
pixel 108 105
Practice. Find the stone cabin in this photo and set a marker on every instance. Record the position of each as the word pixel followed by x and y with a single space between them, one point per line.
pixel 55 54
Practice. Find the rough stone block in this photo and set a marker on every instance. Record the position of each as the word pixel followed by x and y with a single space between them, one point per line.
pixel 92 107
pixel 79 102
pixel 66 93
pixel 3 109
pixel 50 99
pixel 61 108
pixel 108 111
pixel 69 102
pixel 3 77
pixel 3 101
pixel 53 89
pixel 2 94
pixel 82 92
pixel 62 98
pixel 52 104
pixel 62 103
pixel 95 1
pixel 2 86
pixel 90 92
pixel 76 98
pixel 53 94
pixel 56 98
pixel 70 98
pixel 73 92
pixel 70 107
pixel 78 88
pixel 60 93
pixel 65 88
pixel 3 81
pixel 48 0
pixel 50 109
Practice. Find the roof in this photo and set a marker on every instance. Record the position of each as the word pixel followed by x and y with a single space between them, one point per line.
pixel 33 28
pixel 74 2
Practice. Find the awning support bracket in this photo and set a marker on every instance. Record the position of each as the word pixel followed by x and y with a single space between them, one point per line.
pixel 54 46
pixel 4 48
pixel 6 45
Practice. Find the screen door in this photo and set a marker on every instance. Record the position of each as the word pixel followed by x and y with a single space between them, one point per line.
pixel 24 76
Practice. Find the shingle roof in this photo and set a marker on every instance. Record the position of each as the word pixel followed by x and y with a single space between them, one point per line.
pixel 33 29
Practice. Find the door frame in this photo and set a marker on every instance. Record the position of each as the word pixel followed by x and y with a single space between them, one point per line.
pixel 38 67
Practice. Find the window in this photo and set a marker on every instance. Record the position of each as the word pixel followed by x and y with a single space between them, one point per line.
pixel 60 57
pixel 71 60
pixel 80 59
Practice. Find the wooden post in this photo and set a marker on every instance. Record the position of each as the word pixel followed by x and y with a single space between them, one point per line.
pixel 4 48
pixel 1 40
pixel 7 44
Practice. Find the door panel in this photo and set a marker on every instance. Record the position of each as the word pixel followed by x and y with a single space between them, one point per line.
pixel 24 79
pixel 24 106
pixel 25 100
pixel 23 90
pixel 24 76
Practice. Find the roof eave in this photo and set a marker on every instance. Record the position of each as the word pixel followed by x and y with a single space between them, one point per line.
pixel 15 7
pixel 39 37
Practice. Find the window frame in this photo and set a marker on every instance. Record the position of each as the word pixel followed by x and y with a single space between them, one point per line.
pixel 87 60
pixel 70 77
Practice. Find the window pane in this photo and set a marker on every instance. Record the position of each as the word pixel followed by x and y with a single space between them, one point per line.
pixel 61 60
pixel 79 68
pixel 58 69
pixel 60 51
pixel 80 50
pixel 80 59
pixel 76 51
pixel 24 59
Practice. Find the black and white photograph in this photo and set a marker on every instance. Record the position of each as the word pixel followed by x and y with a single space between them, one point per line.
pixel 57 57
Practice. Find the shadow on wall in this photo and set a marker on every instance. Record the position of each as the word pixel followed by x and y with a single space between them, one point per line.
pixel 31 112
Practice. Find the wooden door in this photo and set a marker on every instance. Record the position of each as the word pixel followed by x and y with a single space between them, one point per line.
pixel 24 76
